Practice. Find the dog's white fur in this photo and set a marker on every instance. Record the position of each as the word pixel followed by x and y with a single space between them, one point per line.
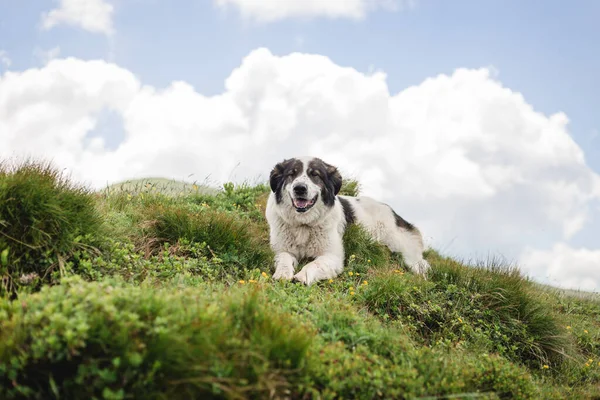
pixel 317 233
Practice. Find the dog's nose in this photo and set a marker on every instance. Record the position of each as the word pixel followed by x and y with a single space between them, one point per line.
pixel 300 189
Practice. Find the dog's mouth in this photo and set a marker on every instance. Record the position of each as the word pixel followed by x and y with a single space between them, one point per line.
pixel 303 205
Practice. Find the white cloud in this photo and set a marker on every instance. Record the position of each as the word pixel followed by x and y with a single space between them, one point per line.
pixel 92 15
pixel 564 266
pixel 45 56
pixel 269 11
pixel 466 159
pixel 5 59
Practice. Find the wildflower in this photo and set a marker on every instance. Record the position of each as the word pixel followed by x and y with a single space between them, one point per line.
pixel 585 330
pixel 251 281
pixel 264 274
pixel 350 273
pixel 242 282
pixel 351 288
pixel 369 260
pixel 460 320
pixel 568 327
pixel 352 257
pixel 331 281
pixel 365 283
pixel 357 274
pixel 352 293
pixel 545 366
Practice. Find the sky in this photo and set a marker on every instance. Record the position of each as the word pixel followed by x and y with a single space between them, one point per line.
pixel 477 121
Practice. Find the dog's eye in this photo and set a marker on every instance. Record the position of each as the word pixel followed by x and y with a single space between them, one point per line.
pixel 292 172
pixel 314 172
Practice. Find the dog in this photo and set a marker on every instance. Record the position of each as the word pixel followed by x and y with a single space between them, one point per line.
pixel 307 219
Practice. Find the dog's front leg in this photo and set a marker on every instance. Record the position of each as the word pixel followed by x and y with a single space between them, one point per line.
pixel 327 266
pixel 284 266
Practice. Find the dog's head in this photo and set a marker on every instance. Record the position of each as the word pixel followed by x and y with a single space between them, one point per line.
pixel 305 183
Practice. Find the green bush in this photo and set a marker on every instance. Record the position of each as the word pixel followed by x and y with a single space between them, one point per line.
pixel 85 340
pixel 44 219
pixel 240 243
pixel 361 252
pixel 350 187
pixel 493 309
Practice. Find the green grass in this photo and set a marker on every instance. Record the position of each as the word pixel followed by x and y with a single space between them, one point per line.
pixel 44 219
pixel 176 301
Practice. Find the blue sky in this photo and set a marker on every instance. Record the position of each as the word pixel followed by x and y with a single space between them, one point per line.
pixel 545 53
pixel 545 49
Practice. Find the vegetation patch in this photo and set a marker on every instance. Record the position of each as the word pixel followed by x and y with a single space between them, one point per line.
pixel 150 292
pixel 44 220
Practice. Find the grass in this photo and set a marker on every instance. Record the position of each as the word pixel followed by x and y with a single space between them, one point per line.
pixel 176 301
pixel 44 219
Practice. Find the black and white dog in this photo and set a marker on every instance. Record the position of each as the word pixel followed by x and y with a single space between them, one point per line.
pixel 307 220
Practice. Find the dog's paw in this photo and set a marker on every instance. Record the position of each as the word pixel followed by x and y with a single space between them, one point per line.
pixel 307 275
pixel 283 274
pixel 302 277
pixel 422 268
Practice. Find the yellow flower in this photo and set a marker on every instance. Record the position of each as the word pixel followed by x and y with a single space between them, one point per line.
pixel 252 281
pixel 331 281
pixel 352 293
pixel 264 274
pixel 585 330
pixel 357 274
pixel 351 288
pixel 350 273
pixel 242 281
pixel 545 366
pixel 590 360
pixel 365 283
pixel 368 261
pixel 568 327
pixel 352 257
pixel 460 320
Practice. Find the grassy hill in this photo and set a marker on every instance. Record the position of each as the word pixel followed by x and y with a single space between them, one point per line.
pixel 135 293
pixel 165 186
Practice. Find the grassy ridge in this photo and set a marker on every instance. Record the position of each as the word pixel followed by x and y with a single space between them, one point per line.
pixel 170 296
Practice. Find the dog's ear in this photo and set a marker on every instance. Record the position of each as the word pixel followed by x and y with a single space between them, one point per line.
pixel 276 176
pixel 335 177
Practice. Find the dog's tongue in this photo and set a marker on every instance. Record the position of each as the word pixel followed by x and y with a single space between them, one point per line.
pixel 301 203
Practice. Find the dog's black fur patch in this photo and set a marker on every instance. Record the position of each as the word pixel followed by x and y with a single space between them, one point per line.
pixel 285 171
pixel 348 211
pixel 402 223
pixel 327 177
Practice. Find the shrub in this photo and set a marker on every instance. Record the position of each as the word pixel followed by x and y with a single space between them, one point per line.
pixel 361 252
pixel 350 187
pixel 240 243
pixel 44 219
pixel 492 309
pixel 85 340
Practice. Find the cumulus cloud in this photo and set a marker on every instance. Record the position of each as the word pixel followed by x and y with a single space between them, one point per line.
pixel 269 11
pixel 5 59
pixel 466 159
pixel 45 56
pixel 92 15
pixel 564 266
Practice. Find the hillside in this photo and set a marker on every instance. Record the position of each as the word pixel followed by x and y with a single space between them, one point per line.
pixel 141 293
pixel 170 187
